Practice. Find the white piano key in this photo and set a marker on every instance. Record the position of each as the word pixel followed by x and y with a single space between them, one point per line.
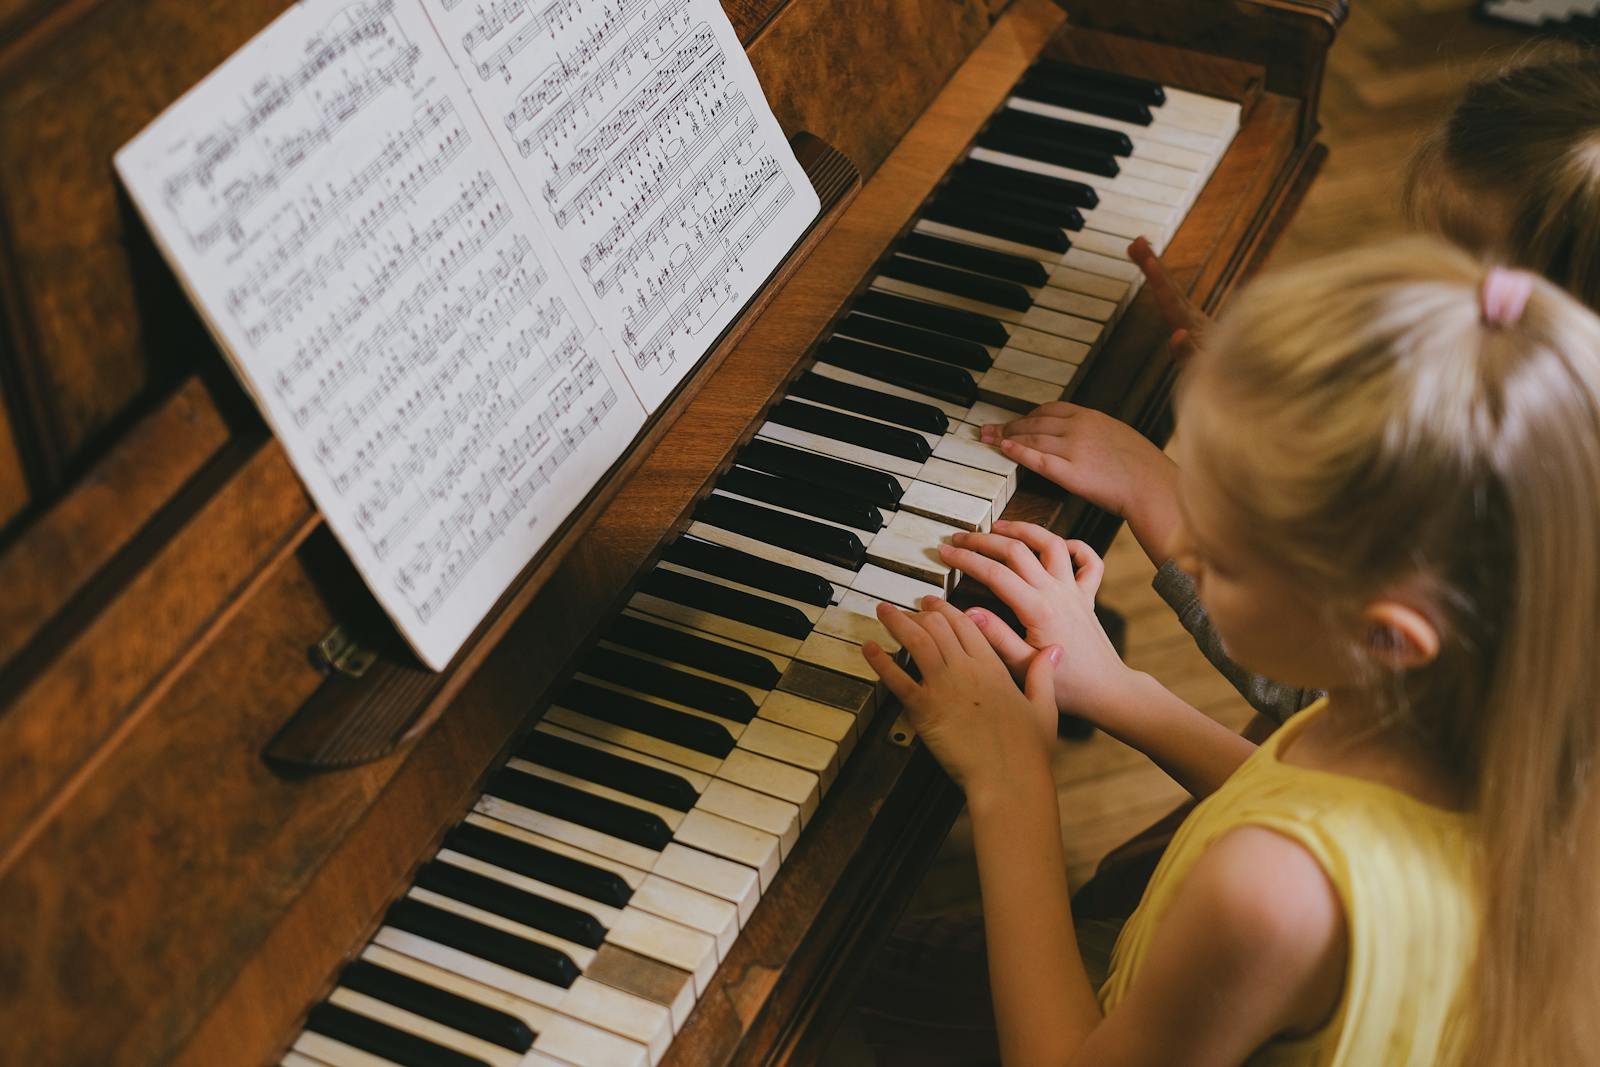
pixel 632 739
pixel 1124 195
pixel 722 837
pixel 904 555
pixel 983 240
pixel 558 1035
pixel 1119 267
pixel 1165 133
pixel 754 692
pixel 689 907
pixel 604 913
pixel 806 751
pixel 1016 390
pixel 800 787
pixel 809 717
pixel 947 505
pixel 963 478
pixel 729 539
pixel 850 377
pixel 578 954
pixel 882 584
pixel 666 942
pixel 1203 114
pixel 859 531
pixel 824 650
pixel 1051 346
pixel 932 438
pixel 827 446
pixel 1057 372
pixel 418 1026
pixel 569 832
pixel 979 455
pixel 698 780
pixel 721 625
pixel 1065 300
pixel 1037 318
pixel 336 1053
pixel 777 817
pixel 671 816
pixel 805 608
pixel 1104 244
pixel 711 874
pixel 1161 173
pixel 1095 284
pixel 297 1059
pixel 983 414
pixel 851 627
pixel 595 1005
pixel 633 876
pixel 1125 226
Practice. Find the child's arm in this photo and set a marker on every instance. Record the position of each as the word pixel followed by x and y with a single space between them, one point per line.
pixel 1108 463
pixel 1050 584
pixel 1248 934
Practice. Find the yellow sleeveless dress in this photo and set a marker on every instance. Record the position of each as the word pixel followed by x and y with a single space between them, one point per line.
pixel 1407 874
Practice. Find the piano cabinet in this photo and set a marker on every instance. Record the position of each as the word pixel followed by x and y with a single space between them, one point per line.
pixel 169 896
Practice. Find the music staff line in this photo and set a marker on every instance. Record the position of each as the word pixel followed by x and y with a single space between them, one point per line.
pixel 321 212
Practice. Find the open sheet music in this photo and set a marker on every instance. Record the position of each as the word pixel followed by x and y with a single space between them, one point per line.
pixel 459 250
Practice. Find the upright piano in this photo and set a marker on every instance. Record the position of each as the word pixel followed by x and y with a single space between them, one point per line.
pixel 224 782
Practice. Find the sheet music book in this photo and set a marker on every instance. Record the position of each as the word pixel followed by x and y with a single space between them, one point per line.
pixel 459 250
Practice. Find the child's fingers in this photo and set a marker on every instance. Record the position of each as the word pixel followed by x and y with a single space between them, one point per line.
pixel 938 627
pixel 1039 684
pixel 1008 550
pixel 1088 566
pixel 1048 465
pixel 973 643
pixel 917 641
pixel 1013 651
pixel 898 681
pixel 1018 595
pixel 1172 302
pixel 1182 346
pixel 1051 549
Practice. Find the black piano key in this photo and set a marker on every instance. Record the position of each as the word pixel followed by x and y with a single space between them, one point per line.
pixel 956 209
pixel 1078 134
pixel 754 571
pixel 643 828
pixel 851 479
pixel 690 690
pixel 485 942
pixel 1047 90
pixel 1014 206
pixel 529 909
pixel 616 772
pixel 1018 269
pixel 693 651
pixel 853 429
pixel 961 283
pixel 1005 138
pixel 802 496
pixel 897 409
pixel 440 1005
pixel 896 368
pixel 981 329
pixel 818 540
pixel 917 341
pixel 1141 89
pixel 381 1039
pixel 648 717
pixel 1056 190
pixel 541 864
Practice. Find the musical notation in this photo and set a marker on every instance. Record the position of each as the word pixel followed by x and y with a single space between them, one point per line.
pixel 639 133
pixel 381 283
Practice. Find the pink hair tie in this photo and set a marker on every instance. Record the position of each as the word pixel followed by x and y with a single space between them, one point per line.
pixel 1505 296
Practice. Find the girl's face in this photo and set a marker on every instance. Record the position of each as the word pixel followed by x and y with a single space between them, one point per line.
pixel 1265 621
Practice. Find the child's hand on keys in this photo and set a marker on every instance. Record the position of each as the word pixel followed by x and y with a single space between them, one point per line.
pixel 1188 323
pixel 966 708
pixel 1050 584
pixel 1108 463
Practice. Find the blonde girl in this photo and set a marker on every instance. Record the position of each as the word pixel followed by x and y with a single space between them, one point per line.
pixel 1392 493
pixel 1513 174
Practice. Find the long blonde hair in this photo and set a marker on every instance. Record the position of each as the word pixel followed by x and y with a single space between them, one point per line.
pixel 1520 153
pixel 1369 427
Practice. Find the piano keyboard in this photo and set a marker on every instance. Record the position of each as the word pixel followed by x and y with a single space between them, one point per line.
pixel 1582 16
pixel 579 911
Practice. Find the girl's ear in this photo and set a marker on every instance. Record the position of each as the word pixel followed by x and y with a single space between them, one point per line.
pixel 1398 635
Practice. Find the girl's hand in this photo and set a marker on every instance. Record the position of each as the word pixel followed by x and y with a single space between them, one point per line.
pixel 1089 454
pixel 1050 583
pixel 966 709
pixel 1188 323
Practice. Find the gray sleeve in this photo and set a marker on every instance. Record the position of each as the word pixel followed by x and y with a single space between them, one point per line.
pixel 1276 701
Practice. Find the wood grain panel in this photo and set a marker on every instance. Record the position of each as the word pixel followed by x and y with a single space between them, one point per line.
pixel 14 492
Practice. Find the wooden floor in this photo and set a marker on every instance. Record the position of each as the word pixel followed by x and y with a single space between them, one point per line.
pixel 1395 69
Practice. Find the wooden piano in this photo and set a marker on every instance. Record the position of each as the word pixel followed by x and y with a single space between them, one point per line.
pixel 193 837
